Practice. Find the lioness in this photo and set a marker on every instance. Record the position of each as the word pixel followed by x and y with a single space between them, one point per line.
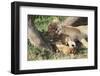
pixel 74 33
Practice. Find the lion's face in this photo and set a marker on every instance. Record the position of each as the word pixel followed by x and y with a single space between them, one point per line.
pixel 69 42
pixel 65 49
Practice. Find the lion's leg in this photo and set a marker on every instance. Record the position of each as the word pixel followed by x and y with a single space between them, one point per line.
pixel 84 42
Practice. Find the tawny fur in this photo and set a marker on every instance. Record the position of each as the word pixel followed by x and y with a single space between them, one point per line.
pixel 65 49
pixel 74 33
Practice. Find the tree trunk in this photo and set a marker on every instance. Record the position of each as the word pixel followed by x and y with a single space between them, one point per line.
pixel 34 36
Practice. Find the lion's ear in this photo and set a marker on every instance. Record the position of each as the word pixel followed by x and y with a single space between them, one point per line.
pixel 68 38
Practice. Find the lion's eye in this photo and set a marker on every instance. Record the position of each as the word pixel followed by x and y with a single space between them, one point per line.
pixel 72 45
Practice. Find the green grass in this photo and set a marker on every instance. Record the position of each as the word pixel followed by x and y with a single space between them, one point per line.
pixel 41 22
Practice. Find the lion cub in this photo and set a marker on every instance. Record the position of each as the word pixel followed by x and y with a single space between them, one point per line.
pixel 75 34
pixel 65 45
pixel 67 50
